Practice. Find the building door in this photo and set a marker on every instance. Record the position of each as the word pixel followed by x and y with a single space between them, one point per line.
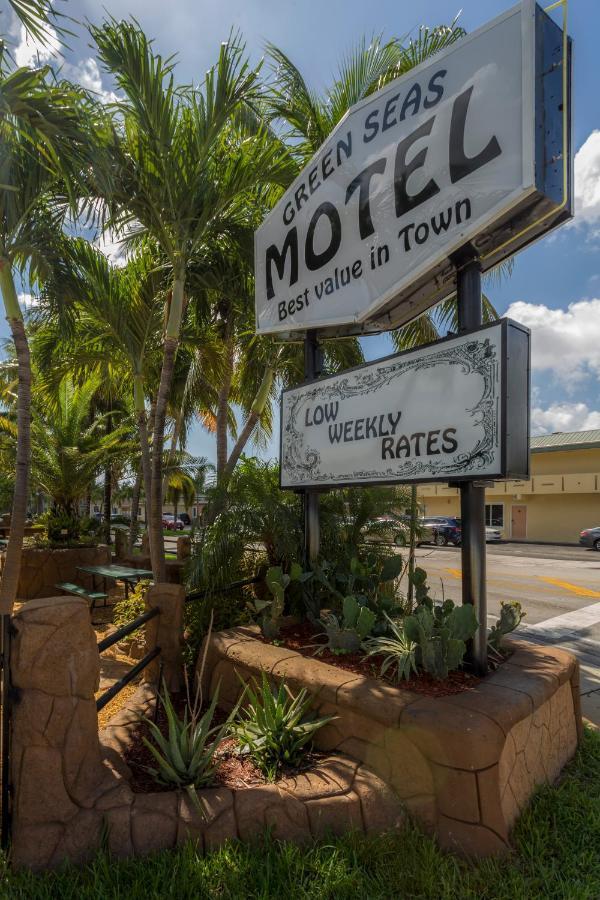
pixel 518 522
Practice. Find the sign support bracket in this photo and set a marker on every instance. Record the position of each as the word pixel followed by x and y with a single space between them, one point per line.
pixel 472 495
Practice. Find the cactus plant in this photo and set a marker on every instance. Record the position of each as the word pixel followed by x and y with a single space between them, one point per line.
pixel 345 634
pixel 511 615
pixel 271 609
pixel 441 635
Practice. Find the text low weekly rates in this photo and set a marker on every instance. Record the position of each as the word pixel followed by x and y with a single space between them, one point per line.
pixel 383 427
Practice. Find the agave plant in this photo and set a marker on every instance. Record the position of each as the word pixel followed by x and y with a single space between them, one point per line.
pixel 276 726
pixel 185 758
pixel 397 649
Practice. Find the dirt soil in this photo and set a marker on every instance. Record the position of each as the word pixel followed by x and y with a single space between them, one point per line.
pixel 232 770
pixel 304 636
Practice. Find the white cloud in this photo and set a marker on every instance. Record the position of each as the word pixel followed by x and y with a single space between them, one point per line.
pixel 86 73
pixel 30 52
pixel 28 301
pixel 565 342
pixel 564 417
pixel 112 247
pixel 587 182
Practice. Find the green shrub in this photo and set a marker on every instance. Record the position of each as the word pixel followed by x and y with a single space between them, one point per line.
pixel 276 728
pixel 129 608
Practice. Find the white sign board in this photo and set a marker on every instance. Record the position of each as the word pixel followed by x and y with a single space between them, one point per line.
pixel 454 410
pixel 438 158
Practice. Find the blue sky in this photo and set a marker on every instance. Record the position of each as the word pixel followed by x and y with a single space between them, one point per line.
pixel 555 284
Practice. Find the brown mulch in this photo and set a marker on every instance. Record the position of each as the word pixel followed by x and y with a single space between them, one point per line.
pixel 303 637
pixel 232 770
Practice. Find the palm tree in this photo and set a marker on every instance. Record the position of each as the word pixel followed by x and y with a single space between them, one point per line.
pixel 310 117
pixel 70 445
pixel 39 158
pixel 173 170
pixel 104 320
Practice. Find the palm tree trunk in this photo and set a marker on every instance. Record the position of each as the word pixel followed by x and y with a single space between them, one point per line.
pixel 173 448
pixel 158 438
pixel 256 411
pixel 146 462
pixel 135 507
pixel 88 504
pixel 223 410
pixel 107 501
pixel 12 565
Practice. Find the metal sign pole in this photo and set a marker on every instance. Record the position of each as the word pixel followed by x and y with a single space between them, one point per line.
pixel 312 369
pixel 472 495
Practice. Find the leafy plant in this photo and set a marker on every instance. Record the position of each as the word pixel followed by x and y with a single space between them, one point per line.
pixel 398 650
pixel 511 615
pixel 128 608
pixel 440 632
pixel 185 758
pixel 345 634
pixel 276 727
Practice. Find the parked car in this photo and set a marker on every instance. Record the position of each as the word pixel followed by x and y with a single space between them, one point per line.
pixel 492 534
pixel 120 520
pixel 440 530
pixel 169 521
pixel 184 517
pixel 590 537
pixel 390 529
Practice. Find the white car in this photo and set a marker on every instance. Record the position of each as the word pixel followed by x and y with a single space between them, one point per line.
pixel 492 534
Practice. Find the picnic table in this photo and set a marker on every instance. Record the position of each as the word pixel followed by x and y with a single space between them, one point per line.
pixel 115 572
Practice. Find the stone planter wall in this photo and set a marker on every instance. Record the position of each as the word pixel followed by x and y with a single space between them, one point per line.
pixel 71 786
pixel 464 765
pixel 42 569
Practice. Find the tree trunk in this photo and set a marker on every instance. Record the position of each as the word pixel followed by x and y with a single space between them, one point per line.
pixel 256 411
pixel 139 401
pixel 12 565
pixel 172 450
pixel 158 438
pixel 88 504
pixel 223 410
pixel 156 529
pixel 107 501
pixel 135 507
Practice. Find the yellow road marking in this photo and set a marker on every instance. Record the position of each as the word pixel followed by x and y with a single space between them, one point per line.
pixel 457 573
pixel 574 588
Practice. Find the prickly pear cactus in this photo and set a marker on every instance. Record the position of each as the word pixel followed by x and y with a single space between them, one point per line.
pixel 511 615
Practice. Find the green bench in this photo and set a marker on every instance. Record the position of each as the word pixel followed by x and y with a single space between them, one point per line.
pixel 68 588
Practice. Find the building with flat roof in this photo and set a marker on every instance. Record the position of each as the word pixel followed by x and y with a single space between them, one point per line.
pixel 561 498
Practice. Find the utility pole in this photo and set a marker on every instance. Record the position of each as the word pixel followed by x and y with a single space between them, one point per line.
pixel 472 494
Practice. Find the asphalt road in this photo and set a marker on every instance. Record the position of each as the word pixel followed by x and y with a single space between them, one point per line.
pixel 558 587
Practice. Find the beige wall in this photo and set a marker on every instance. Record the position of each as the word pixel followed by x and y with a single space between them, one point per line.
pixel 562 497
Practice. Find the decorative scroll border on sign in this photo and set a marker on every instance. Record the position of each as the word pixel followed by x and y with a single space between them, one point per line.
pixel 303 464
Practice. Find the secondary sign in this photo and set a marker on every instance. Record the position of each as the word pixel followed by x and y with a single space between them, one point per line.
pixel 454 410
pixel 467 147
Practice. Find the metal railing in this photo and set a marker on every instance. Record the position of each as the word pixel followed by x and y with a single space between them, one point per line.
pixel 114 638
pixel 203 593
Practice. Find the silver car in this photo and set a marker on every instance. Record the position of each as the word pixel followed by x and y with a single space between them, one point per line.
pixel 590 537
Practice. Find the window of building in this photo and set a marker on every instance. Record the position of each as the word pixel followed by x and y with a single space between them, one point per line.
pixel 494 515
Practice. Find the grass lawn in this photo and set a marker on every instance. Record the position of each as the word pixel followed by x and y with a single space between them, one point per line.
pixel 557 855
